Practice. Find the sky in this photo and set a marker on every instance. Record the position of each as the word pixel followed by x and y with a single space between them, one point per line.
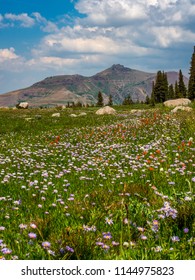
pixel 43 38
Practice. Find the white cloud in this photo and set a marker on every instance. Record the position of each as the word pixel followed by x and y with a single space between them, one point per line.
pixel 46 25
pixel 111 12
pixel 7 54
pixel 167 36
pixel 28 21
pixel 24 19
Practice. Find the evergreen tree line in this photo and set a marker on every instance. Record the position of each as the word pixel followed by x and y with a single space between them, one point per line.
pixel 162 91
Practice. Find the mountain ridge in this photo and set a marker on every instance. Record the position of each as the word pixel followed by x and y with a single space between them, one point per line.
pixel 118 81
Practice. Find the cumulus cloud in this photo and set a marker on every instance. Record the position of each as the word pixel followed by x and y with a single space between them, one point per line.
pixel 23 19
pixel 46 25
pixel 111 12
pixel 28 21
pixel 7 55
pixel 141 34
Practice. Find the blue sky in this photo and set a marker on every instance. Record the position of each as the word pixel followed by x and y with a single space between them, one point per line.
pixel 40 38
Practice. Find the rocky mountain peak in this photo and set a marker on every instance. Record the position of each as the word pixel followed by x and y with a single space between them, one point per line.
pixel 118 67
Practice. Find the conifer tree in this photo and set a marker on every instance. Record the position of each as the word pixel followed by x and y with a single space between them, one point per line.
pixel 161 87
pixel 100 102
pixel 191 83
pixel 152 99
pixel 177 93
pixel 164 89
pixel 181 85
pixel 110 102
pixel 157 86
pixel 147 101
pixel 128 100
pixel 171 93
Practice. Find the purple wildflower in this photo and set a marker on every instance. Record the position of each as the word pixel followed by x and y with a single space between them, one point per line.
pixel 186 230
pixel 107 235
pixel 32 235
pixel 6 251
pixel 175 239
pixel 46 244
pixel 69 249
pixel 105 247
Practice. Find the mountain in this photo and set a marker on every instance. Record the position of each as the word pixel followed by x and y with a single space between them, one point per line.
pixel 119 81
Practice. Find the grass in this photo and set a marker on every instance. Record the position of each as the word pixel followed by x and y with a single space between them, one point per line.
pixel 97 187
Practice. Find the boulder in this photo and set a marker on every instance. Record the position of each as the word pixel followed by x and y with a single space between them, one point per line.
pixel 181 108
pixel 23 105
pixel 107 110
pixel 82 114
pixel 177 102
pixel 56 115
pixel 73 115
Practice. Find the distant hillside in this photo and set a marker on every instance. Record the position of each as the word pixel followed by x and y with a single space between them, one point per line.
pixel 119 81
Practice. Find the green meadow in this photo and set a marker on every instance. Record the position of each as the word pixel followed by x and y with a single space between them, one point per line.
pixel 113 187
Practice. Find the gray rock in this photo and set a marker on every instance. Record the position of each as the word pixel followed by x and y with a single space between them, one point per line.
pixel 107 110
pixel 82 114
pixel 56 115
pixel 177 102
pixel 23 105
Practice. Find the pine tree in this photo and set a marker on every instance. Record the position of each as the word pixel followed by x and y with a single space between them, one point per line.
pixel 110 102
pixel 157 86
pixel 181 85
pixel 171 93
pixel 177 93
pixel 152 99
pixel 191 83
pixel 161 87
pixel 147 101
pixel 127 100
pixel 100 102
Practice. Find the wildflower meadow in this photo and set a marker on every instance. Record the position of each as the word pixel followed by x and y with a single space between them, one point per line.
pixel 111 187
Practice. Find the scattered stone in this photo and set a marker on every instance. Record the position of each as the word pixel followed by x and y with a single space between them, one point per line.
pixel 73 115
pixel 82 114
pixel 107 110
pixel 177 102
pixel 181 108
pixel 28 119
pixel 56 115
pixel 23 105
